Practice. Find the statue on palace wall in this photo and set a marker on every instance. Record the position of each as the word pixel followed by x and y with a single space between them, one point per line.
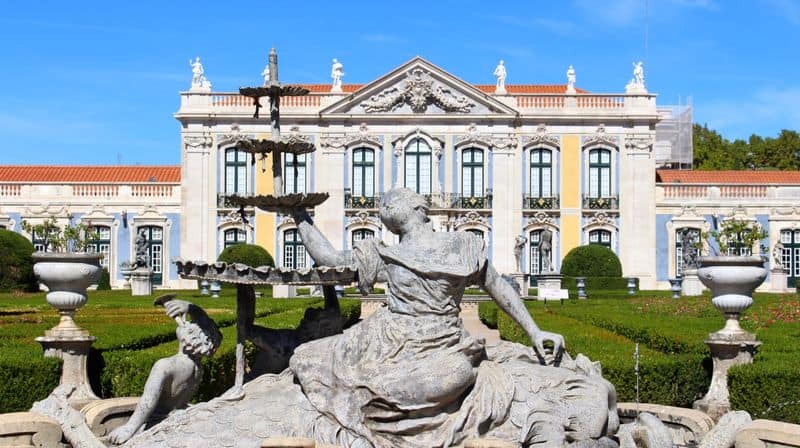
pixel 519 244
pixel 337 71
pixel 777 256
pixel 199 80
pixel 570 80
pixel 546 249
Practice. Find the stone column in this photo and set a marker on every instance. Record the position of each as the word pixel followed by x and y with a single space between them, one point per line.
pixel 198 198
pixel 504 200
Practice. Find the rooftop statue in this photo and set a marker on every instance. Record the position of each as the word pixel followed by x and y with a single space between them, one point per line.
pixel 336 75
pixel 570 80
pixel 500 73
pixel 265 74
pixel 199 80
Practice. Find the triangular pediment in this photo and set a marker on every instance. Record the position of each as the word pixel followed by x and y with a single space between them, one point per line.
pixel 415 88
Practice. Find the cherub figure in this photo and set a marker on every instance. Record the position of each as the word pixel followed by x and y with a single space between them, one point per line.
pixel 174 380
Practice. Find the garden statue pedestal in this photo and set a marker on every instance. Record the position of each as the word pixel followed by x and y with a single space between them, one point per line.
pixel 142 282
pixel 549 286
pixel 732 281
pixel 691 285
pixel 778 280
pixel 522 281
pixel 67 275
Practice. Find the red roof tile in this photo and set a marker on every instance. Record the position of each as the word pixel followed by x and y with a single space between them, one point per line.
pixel 92 173
pixel 728 177
pixel 326 88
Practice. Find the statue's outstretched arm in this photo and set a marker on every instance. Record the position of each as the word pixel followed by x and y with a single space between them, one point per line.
pixel 509 301
pixel 320 249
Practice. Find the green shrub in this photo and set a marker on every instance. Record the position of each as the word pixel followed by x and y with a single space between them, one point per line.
pixel 592 260
pixel 104 284
pixel 619 284
pixel 16 262
pixel 767 389
pixel 487 312
pixel 350 311
pixel 27 377
pixel 249 254
pixel 353 291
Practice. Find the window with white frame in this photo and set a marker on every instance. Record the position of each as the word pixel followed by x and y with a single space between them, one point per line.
pixel 361 235
pixel 418 166
pixel 472 173
pixel 599 173
pixel 101 244
pixel 233 237
pixel 363 172
pixel 235 171
pixel 693 237
pixel 541 173
pixel 534 239
pixel 601 237
pixel 294 173
pixel 294 253
pixel 154 239
pixel 790 258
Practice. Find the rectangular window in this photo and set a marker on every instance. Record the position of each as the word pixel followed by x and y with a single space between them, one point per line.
pixel 156 262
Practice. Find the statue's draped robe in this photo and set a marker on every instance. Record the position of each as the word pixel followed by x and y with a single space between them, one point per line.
pixel 409 375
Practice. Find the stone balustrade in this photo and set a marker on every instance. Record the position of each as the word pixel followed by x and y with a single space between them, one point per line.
pixel 234 103
pixel 22 193
pixel 679 193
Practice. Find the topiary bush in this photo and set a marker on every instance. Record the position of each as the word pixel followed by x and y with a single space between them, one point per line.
pixel 249 254
pixel 16 262
pixel 104 284
pixel 592 260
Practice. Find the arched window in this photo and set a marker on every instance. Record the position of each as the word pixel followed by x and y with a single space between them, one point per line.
pixel 294 253
pixel 233 237
pixel 601 237
pixel 235 171
pixel 154 244
pixel 790 258
pixel 418 166
pixel 102 244
pixel 360 235
pixel 472 173
pixel 599 173
pixel 294 177
pixel 363 173
pixel 693 237
pixel 541 173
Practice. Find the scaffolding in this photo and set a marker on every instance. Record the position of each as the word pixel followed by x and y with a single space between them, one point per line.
pixel 673 146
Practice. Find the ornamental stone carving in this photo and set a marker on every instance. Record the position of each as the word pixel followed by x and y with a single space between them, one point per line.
pixel 494 141
pixel 296 136
pixel 540 219
pixel 541 137
pixel 639 143
pixel 198 142
pixel 470 219
pixel 364 218
pixel 418 91
pixel 600 137
pixel 338 141
pixel 233 136
pixel 601 219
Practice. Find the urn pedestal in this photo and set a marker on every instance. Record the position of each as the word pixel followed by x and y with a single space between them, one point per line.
pixel 67 276
pixel 691 284
pixel 732 281
pixel 142 282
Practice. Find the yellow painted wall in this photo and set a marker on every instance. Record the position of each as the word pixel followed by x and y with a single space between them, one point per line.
pixel 570 193
pixel 265 222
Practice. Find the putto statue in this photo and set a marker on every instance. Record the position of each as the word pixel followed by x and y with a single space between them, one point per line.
pixel 336 75
pixel 199 81
pixel 636 85
pixel 570 80
pixel 500 73
pixel 410 375
pixel 173 381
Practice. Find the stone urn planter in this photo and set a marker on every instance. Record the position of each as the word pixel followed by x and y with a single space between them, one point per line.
pixel 67 275
pixel 732 281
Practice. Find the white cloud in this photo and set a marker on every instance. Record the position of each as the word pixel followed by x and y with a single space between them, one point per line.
pixel 764 112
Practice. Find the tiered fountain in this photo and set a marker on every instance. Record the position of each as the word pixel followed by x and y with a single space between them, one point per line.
pixel 246 277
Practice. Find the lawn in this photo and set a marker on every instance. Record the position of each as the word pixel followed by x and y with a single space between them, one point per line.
pixel 674 362
pixel 131 335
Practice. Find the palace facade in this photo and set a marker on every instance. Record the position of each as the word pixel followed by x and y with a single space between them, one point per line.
pixel 497 162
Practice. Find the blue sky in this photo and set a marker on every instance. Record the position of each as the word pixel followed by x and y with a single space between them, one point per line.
pixel 98 82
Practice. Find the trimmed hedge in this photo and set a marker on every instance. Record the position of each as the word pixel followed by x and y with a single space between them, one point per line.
pixel 104 284
pixel 27 377
pixel 16 262
pixel 249 254
pixel 487 312
pixel 598 284
pixel 592 260
pixel 767 389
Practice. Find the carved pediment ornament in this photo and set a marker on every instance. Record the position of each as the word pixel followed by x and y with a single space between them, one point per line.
pixel 418 91
pixel 471 219
pixel 364 218
pixel 541 218
pixel 600 136
pixel 601 219
pixel 541 137
pixel 344 140
pixel 496 141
